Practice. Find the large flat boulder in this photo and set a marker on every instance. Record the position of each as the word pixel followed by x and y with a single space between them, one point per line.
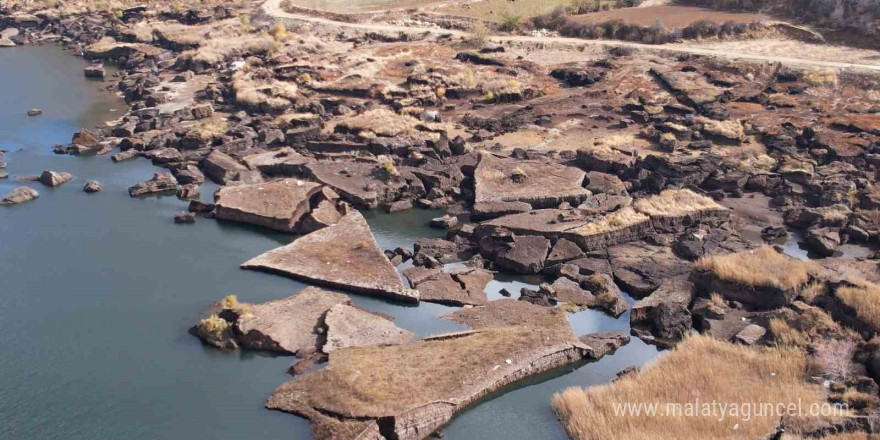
pixel 344 255
pixel 364 185
pixel 282 162
pixel 416 388
pixel 349 326
pixel 461 286
pixel 540 184
pixel 277 205
pixel 222 168
pixel 288 325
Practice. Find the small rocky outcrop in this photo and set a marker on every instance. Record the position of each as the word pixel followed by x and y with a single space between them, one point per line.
pixel 161 183
pixel 763 278
pixel 21 194
pixel 641 268
pixel 313 320
pixel 53 178
pixel 344 255
pixel 92 186
pixel 665 314
pixel 602 344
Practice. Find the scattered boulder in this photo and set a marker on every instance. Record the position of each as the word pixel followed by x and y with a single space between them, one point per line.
pixel 751 334
pixel 185 218
pixel 53 179
pixel 95 71
pixel 526 255
pixel 222 168
pixel 344 255
pixel 21 194
pixel 608 295
pixel 161 183
pixel 641 268
pixel 92 186
pixel 822 241
pixel 665 312
pixel 604 343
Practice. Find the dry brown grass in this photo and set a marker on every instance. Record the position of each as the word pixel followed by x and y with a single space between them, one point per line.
pixel 207 130
pixel 821 77
pixel 213 325
pixel 382 122
pixel 222 49
pixel 811 325
pixel 676 202
pixel 700 367
pixel 865 300
pixel 254 90
pixel 761 267
pixel 612 222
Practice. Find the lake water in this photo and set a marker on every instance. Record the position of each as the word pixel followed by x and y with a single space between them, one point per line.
pixel 97 292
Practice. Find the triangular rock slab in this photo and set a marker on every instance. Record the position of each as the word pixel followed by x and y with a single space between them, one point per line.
pixel 288 325
pixel 344 256
pixel 349 326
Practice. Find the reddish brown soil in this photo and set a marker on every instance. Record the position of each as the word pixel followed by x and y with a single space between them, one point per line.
pixel 671 16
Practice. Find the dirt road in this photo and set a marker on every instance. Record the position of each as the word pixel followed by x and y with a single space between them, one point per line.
pixel 273 8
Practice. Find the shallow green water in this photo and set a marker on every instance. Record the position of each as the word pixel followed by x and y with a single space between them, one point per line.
pixel 97 292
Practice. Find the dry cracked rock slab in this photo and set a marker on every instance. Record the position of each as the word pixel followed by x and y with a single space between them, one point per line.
pixel 312 320
pixel 460 286
pixel 540 184
pixel 277 205
pixel 349 326
pixel 416 388
pixel 345 256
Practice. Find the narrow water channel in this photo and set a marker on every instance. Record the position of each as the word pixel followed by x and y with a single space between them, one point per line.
pixel 97 292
